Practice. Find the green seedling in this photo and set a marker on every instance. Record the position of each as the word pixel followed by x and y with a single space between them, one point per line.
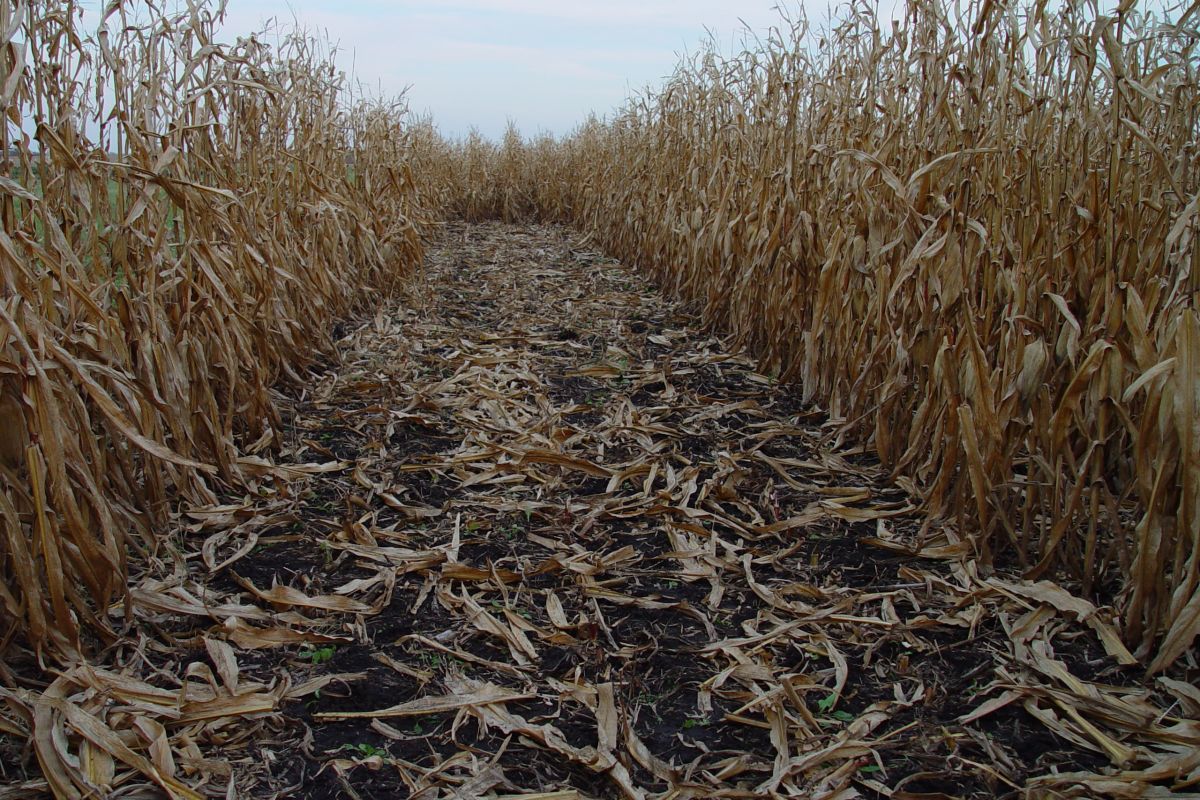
pixel 420 725
pixel 826 703
pixel 695 722
pixel 365 750
pixel 436 661
pixel 318 655
pixel 498 606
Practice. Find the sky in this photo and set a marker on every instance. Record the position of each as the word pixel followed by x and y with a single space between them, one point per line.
pixel 545 64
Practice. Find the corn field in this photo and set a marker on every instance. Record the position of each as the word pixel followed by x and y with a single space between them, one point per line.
pixel 972 240
pixel 182 222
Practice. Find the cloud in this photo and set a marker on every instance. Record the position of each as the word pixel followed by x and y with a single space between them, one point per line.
pixel 543 63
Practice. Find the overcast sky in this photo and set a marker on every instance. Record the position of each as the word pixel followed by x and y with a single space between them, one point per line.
pixel 543 63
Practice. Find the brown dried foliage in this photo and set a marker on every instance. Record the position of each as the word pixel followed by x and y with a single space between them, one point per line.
pixel 971 239
pixel 179 232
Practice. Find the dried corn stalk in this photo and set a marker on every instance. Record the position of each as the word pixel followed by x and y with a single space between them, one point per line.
pixel 971 239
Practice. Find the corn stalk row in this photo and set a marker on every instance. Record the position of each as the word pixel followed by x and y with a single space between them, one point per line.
pixel 972 238
pixel 181 222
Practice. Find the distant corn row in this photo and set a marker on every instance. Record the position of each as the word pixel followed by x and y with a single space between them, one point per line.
pixel 483 180
pixel 177 235
pixel 973 240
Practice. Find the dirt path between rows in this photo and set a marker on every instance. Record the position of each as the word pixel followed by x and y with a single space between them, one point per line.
pixel 541 536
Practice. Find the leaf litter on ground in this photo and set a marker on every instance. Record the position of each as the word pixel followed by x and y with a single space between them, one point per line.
pixel 537 534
